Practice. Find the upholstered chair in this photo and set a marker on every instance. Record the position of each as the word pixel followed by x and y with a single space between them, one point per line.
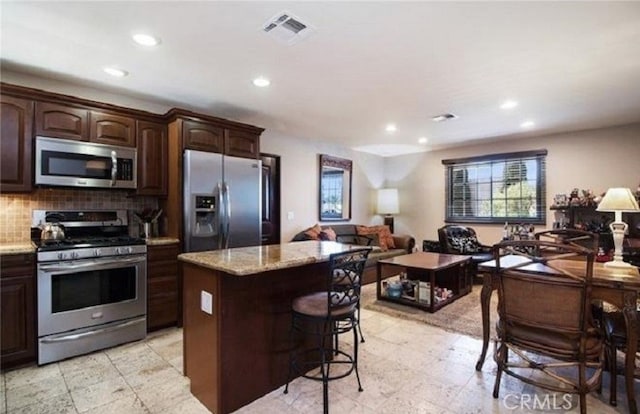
pixel 456 239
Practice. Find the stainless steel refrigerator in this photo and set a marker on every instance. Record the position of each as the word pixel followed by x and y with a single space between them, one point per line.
pixel 222 201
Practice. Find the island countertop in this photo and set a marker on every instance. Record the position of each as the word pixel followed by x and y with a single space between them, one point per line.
pixel 256 259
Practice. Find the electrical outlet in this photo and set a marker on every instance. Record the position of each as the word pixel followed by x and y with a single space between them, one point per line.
pixel 206 302
pixel 290 215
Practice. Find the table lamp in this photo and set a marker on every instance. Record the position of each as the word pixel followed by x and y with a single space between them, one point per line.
pixel 388 205
pixel 618 200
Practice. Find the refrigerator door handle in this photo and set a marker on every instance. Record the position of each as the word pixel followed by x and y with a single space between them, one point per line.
pixel 220 214
pixel 227 212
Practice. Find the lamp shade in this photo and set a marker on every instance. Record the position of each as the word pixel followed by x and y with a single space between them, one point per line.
pixel 619 199
pixel 388 201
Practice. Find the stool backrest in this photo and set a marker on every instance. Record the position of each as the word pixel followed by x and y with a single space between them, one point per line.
pixel 345 277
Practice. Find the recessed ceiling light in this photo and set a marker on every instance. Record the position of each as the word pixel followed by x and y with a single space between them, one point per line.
pixel 422 140
pixel 146 39
pixel 261 82
pixel 391 128
pixel 527 124
pixel 509 104
pixel 444 117
pixel 113 71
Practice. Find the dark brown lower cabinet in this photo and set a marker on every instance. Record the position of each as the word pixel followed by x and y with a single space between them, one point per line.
pixel 17 302
pixel 164 307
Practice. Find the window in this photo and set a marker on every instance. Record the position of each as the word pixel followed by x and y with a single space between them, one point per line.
pixel 332 193
pixel 497 188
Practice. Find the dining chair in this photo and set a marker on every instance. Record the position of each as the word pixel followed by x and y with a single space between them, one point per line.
pixel 573 237
pixel 545 319
pixel 324 316
pixel 615 339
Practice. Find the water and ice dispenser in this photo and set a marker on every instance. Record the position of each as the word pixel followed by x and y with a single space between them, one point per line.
pixel 204 216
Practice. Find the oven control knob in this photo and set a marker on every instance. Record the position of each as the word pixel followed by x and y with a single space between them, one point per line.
pixel 129 250
pixel 96 252
pixel 62 255
pixel 117 250
pixel 75 255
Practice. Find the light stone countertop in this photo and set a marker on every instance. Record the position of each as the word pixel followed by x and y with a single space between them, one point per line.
pixel 256 259
pixel 159 241
pixel 17 247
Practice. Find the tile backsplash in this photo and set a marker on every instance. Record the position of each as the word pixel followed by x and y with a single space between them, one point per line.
pixel 15 209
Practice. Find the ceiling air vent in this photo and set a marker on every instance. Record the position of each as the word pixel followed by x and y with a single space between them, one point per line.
pixel 287 28
pixel 444 117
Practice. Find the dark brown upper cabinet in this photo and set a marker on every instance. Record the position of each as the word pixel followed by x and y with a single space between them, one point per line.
pixel 16 117
pixel 108 128
pixel 152 159
pixel 202 136
pixel 210 137
pixel 61 121
pixel 242 144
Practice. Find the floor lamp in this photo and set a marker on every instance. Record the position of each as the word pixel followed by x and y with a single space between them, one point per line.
pixel 618 200
pixel 388 205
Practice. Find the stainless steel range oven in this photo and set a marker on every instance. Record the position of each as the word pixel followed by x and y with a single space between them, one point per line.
pixel 91 284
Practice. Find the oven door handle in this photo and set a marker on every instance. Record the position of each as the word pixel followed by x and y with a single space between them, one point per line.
pixel 108 329
pixel 92 264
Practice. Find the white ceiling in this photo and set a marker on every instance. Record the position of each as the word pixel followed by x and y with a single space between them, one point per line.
pixel 571 65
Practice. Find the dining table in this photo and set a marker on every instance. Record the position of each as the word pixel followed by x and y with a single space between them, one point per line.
pixel 618 286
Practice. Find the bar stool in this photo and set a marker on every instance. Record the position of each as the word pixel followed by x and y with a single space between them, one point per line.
pixel 324 316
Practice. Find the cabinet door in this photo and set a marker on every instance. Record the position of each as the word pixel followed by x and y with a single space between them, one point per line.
pixel 107 128
pixel 164 306
pixel 17 302
pixel 202 136
pixel 152 158
pixel 59 121
pixel 242 144
pixel 16 117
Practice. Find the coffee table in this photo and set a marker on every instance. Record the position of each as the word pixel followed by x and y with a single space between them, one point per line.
pixel 448 271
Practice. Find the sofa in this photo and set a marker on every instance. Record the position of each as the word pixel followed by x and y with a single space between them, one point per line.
pixel 347 233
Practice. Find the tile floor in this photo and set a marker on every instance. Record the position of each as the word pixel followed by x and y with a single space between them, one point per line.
pixel 405 368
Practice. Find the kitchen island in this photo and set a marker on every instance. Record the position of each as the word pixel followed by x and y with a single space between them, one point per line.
pixel 237 316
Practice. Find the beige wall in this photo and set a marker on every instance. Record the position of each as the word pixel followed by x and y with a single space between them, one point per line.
pixel 299 180
pixel 595 159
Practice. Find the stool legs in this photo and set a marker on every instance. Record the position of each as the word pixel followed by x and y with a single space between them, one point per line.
pixel 327 337
pixel 355 352
pixel 359 329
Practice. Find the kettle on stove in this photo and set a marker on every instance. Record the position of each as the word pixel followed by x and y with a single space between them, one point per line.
pixel 52 231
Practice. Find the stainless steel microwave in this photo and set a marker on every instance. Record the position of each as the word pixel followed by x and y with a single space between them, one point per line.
pixel 70 163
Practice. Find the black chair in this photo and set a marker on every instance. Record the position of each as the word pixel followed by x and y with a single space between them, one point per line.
pixel 615 339
pixel 545 319
pixel 455 239
pixel 326 315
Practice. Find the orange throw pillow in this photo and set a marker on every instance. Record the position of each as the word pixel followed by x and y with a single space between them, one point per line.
pixel 328 234
pixel 384 235
pixel 313 233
